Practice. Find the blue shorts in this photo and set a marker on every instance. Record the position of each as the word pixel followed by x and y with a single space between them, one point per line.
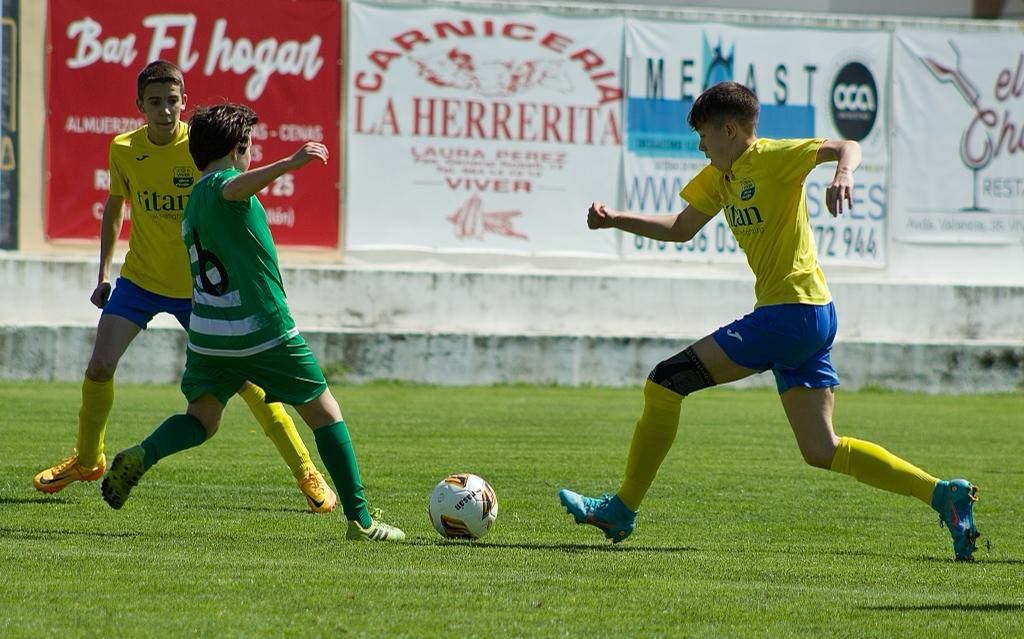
pixel 139 306
pixel 793 340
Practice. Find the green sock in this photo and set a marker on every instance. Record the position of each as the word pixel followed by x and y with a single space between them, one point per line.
pixel 335 447
pixel 177 433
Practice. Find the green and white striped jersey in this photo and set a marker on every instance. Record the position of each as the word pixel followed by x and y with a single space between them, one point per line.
pixel 238 300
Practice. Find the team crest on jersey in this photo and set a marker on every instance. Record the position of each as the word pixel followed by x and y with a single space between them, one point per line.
pixel 746 189
pixel 182 177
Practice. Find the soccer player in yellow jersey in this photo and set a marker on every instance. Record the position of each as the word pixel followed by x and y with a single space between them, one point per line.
pixel 758 184
pixel 151 167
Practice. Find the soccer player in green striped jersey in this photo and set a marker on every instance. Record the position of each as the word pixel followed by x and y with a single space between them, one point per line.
pixel 241 328
pixel 147 165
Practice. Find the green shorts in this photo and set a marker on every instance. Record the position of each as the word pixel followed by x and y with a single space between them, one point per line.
pixel 288 373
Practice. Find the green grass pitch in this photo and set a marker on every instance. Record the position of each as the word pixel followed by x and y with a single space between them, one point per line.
pixel 737 537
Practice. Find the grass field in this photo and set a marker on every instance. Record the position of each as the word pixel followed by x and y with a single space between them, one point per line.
pixel 737 538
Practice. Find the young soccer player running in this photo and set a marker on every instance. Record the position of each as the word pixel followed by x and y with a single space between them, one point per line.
pixel 759 184
pixel 241 328
pixel 152 168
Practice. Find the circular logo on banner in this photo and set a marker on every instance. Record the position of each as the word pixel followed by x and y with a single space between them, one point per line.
pixel 854 101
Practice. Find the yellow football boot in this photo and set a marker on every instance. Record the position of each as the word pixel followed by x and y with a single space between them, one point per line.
pixel 319 496
pixel 55 478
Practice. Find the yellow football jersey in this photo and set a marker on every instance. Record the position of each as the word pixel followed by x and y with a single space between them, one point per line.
pixel 766 208
pixel 156 181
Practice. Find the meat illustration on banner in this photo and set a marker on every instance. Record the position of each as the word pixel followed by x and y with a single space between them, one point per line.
pixel 481 128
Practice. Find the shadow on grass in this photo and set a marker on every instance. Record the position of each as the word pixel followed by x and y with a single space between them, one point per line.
pixel 840 552
pixel 980 560
pixel 955 607
pixel 542 546
pixel 51 533
pixel 255 509
pixel 915 558
pixel 36 499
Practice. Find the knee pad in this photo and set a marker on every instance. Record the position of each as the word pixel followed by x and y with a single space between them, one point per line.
pixel 682 373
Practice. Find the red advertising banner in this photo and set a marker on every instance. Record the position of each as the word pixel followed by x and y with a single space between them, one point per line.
pixel 281 57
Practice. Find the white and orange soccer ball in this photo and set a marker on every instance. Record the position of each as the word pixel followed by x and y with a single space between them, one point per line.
pixel 463 506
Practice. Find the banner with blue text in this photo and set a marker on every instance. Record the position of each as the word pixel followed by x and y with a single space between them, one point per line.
pixel 811 83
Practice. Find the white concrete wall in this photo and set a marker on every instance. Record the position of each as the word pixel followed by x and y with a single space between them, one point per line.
pixel 60 353
pixel 449 326
pixel 672 300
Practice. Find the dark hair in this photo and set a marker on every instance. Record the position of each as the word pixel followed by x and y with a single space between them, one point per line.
pixel 213 131
pixel 159 71
pixel 724 101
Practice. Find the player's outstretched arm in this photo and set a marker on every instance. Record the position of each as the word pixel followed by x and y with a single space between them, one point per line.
pixel 242 187
pixel 110 229
pixel 678 227
pixel 847 155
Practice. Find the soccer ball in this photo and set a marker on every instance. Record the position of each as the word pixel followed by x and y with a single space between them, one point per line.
pixel 463 506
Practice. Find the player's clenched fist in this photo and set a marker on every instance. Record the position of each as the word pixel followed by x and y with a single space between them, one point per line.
pixel 600 216
pixel 308 152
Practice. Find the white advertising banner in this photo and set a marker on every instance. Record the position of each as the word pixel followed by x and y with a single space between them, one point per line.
pixel 958 149
pixel 811 83
pixel 480 130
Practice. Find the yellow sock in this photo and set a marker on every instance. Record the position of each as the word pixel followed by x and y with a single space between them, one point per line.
pixel 279 427
pixel 652 438
pixel 875 466
pixel 97 400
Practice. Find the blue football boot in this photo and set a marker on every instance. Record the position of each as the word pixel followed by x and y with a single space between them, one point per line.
pixel 607 513
pixel 954 501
